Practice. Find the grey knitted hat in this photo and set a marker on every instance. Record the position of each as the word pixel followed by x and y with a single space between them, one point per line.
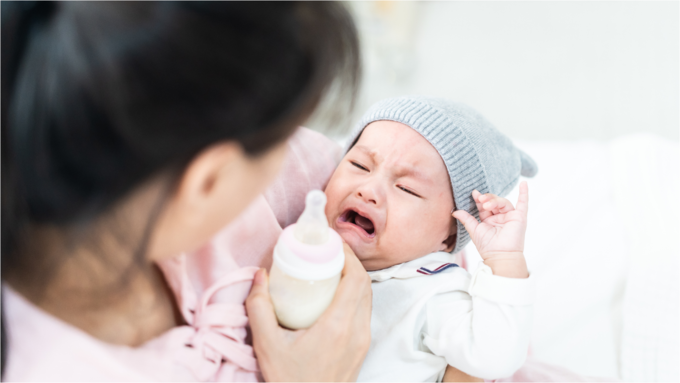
pixel 476 154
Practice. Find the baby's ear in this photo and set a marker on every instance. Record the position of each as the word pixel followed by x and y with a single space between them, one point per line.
pixel 449 243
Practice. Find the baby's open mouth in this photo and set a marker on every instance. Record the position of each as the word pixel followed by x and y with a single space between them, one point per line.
pixel 359 220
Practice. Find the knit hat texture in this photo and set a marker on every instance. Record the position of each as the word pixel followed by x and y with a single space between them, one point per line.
pixel 476 154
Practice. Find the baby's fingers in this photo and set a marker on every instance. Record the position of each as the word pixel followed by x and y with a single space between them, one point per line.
pixel 499 206
pixel 495 204
pixel 469 222
pixel 523 199
pixel 479 199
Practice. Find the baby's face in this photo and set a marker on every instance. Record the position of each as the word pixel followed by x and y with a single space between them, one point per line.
pixel 390 198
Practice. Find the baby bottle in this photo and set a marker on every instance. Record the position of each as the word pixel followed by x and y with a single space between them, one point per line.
pixel 308 260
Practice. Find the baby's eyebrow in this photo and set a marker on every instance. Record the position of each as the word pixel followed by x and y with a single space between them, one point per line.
pixel 408 170
pixel 401 170
pixel 366 150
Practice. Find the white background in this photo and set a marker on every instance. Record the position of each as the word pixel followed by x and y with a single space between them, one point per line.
pixel 537 70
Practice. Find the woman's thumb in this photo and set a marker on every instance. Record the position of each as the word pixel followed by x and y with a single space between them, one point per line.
pixel 259 304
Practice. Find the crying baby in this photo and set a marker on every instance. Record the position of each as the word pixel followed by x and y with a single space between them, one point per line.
pixel 419 176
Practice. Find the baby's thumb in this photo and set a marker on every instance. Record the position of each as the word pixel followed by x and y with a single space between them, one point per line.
pixel 469 222
pixel 259 306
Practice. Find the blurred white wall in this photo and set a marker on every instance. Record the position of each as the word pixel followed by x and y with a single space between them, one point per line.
pixel 537 70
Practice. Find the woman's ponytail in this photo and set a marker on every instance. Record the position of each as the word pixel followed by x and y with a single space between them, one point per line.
pixel 20 20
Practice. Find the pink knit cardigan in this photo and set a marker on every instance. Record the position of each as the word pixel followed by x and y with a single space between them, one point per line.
pixel 210 286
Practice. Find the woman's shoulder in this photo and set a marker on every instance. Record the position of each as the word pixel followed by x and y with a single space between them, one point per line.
pixel 44 348
pixel 306 142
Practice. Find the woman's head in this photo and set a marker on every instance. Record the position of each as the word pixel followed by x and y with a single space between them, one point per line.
pixel 101 101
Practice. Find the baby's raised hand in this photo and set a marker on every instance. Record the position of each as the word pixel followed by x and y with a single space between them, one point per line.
pixel 499 238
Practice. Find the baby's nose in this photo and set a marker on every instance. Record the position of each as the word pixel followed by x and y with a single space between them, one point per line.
pixel 366 198
pixel 369 194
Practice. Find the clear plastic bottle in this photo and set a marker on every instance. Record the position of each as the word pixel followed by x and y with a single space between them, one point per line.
pixel 308 261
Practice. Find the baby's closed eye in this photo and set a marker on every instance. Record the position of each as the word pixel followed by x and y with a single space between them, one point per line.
pixel 358 165
pixel 408 191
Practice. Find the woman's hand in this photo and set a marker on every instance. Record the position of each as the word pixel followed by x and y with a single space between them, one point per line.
pixel 333 349
pixel 499 238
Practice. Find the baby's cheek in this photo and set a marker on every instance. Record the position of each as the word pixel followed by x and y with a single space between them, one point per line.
pixel 431 231
pixel 332 202
pixel 331 210
pixel 403 240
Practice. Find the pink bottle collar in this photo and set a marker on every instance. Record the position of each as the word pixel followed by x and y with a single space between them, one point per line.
pixel 313 253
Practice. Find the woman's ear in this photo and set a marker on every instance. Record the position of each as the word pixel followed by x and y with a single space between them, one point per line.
pixel 206 175
pixel 215 187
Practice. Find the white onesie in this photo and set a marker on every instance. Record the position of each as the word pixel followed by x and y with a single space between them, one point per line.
pixel 429 313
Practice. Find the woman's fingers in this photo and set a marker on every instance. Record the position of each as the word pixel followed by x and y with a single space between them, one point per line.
pixel 346 323
pixel 352 263
pixel 354 291
pixel 261 311
pixel 355 283
pixel 333 349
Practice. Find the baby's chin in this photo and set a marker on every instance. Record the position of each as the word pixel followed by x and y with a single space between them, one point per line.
pixel 367 256
pixel 373 257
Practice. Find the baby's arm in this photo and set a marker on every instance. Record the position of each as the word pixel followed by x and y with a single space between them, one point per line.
pixel 453 374
pixel 499 238
pixel 487 334
pixel 482 324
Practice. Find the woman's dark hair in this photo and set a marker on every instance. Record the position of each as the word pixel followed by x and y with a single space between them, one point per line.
pixel 98 97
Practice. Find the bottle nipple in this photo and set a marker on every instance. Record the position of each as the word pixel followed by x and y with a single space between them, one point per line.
pixel 312 226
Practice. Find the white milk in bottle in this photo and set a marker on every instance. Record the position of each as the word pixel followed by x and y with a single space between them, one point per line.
pixel 308 260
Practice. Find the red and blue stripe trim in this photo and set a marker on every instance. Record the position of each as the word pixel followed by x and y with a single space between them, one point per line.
pixel 438 270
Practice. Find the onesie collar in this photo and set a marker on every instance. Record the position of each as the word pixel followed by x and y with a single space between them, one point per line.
pixel 431 264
